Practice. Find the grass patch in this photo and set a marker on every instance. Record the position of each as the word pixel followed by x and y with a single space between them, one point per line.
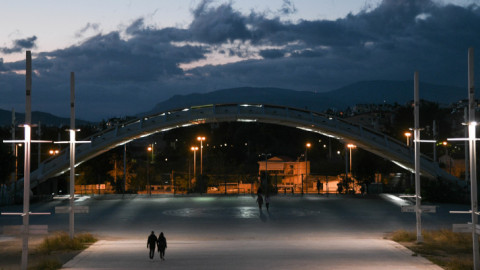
pixel 47 264
pixel 450 250
pixel 62 242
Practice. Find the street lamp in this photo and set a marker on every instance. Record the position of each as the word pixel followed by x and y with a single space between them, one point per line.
pixel 444 143
pixel 308 145
pixel 350 146
pixel 201 139
pixel 53 152
pixel 408 135
pixel 194 149
pixel 149 149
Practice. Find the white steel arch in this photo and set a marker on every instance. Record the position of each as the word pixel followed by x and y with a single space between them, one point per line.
pixel 365 138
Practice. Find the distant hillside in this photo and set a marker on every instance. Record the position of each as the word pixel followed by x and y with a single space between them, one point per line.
pixel 371 92
pixel 277 96
pixel 45 118
pixel 396 91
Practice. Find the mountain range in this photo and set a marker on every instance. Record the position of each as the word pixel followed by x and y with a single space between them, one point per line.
pixel 42 117
pixel 365 92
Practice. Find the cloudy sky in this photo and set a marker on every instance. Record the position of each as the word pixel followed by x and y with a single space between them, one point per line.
pixel 130 55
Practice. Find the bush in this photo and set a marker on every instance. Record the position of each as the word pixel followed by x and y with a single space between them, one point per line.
pixel 47 264
pixel 452 251
pixel 61 241
pixel 404 236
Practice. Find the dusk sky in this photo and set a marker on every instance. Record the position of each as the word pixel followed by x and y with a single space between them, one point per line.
pixel 130 55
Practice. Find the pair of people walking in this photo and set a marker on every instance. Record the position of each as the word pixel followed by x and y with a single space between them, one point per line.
pixel 160 242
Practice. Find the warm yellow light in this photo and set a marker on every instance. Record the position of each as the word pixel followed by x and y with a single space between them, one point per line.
pixel 200 138
pixel 308 145
pixel 351 145
pixel 149 149
pixel 408 134
pixel 194 148
pixel 444 143
pixel 53 152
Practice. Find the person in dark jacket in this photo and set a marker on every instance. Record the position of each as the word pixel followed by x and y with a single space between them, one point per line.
pixel 162 245
pixel 152 240
pixel 260 201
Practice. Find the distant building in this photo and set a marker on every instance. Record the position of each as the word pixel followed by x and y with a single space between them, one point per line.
pixel 375 116
pixel 291 171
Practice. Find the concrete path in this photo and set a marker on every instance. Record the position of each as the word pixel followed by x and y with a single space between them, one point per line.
pixel 328 253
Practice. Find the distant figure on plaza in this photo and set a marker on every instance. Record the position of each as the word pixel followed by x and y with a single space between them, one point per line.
pixel 267 201
pixel 318 186
pixel 162 245
pixel 260 201
pixel 363 189
pixel 151 242
pixel 339 188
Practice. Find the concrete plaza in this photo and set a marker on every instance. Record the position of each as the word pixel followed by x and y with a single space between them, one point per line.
pixel 309 232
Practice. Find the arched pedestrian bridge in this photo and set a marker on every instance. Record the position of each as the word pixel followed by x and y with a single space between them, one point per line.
pixel 365 138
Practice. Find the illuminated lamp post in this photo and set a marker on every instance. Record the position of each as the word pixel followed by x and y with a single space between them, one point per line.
pixel 408 135
pixel 201 139
pixel 308 145
pixel 444 143
pixel 350 147
pixel 194 149
pixel 149 149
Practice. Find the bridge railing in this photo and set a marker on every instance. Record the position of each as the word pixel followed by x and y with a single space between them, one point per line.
pixel 146 125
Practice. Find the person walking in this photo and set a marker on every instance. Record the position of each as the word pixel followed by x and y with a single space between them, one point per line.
pixel 260 201
pixel 162 245
pixel 151 242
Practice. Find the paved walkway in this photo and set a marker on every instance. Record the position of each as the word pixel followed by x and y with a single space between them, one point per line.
pixel 329 253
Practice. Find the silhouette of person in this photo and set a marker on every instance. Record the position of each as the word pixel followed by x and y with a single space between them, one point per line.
pixel 162 245
pixel 152 240
pixel 260 201
pixel 267 201
pixel 318 186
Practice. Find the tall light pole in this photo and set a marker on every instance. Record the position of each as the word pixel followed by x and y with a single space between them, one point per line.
pixel 194 149
pixel 308 145
pixel 201 139
pixel 444 143
pixel 350 147
pixel 149 149
pixel 408 135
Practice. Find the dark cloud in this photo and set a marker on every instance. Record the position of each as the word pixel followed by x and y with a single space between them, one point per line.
pixel 217 25
pixel 19 45
pixel 272 53
pixel 118 76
